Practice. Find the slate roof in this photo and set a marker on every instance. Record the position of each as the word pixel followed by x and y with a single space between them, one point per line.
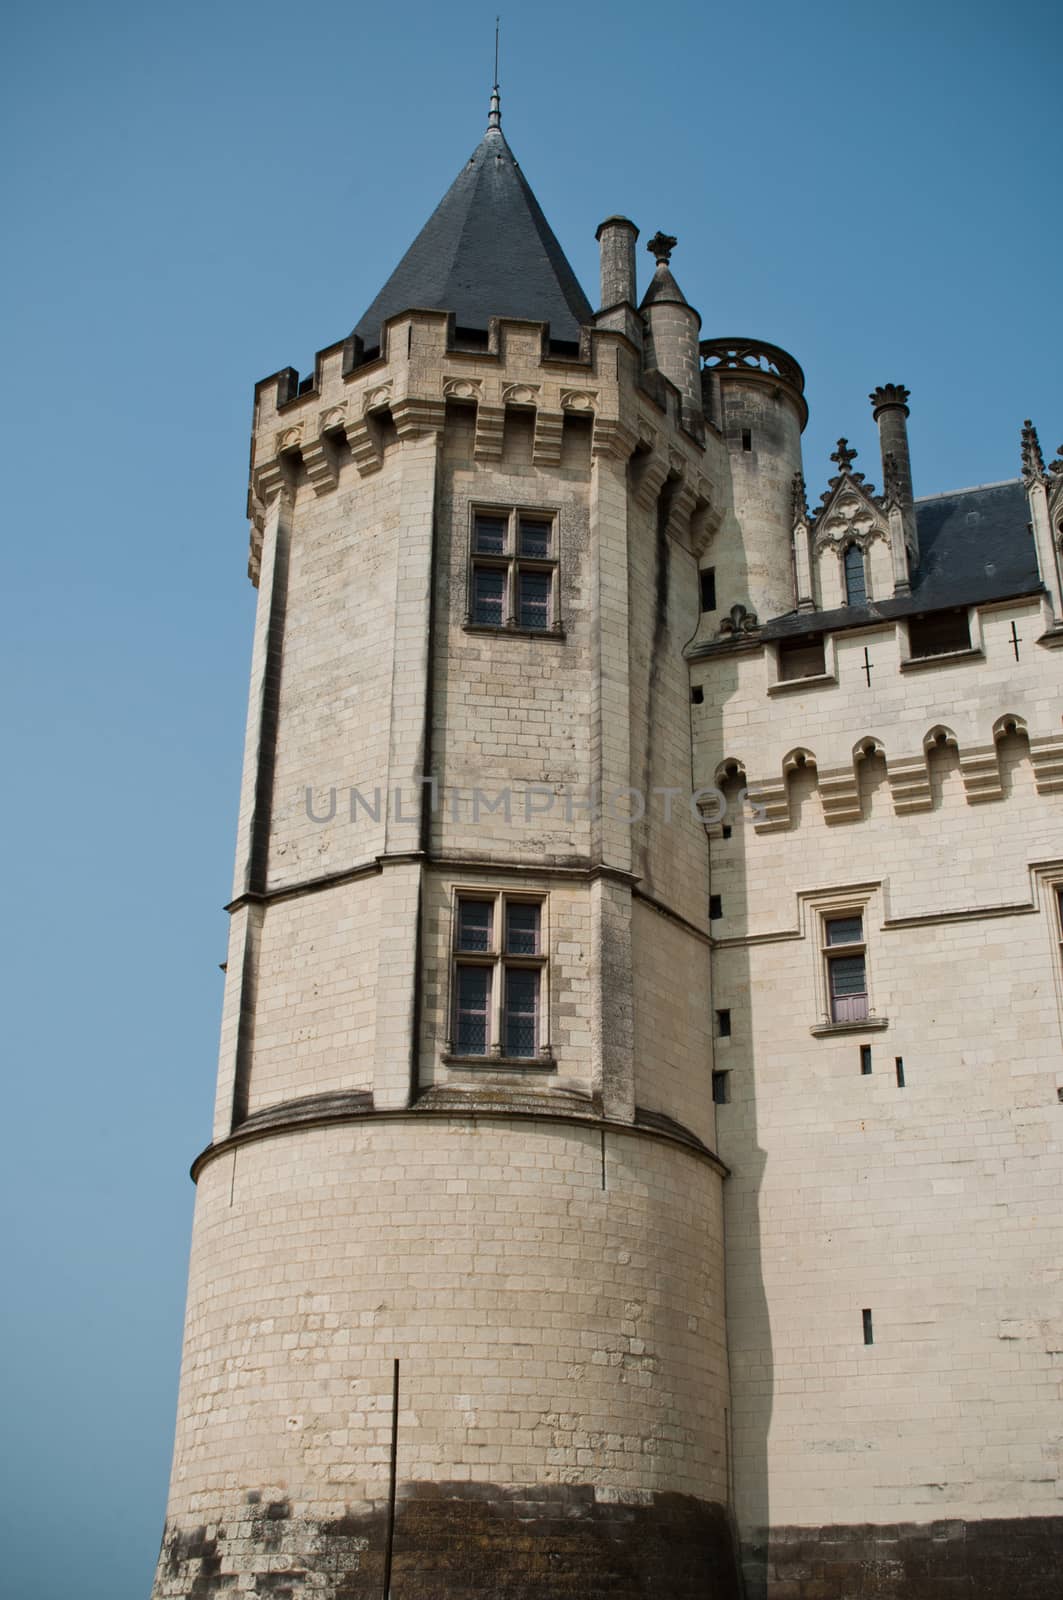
pixel 486 251
pixel 974 545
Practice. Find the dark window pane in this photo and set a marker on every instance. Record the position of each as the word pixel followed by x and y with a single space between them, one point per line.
pixel 489 591
pixel 708 589
pixel 534 602
pixel 535 538
pixel 474 924
pixel 939 634
pixel 855 585
pixel 522 930
pixel 489 535
pixel 522 1010
pixel 847 975
pixel 801 658
pixel 474 992
pixel 845 930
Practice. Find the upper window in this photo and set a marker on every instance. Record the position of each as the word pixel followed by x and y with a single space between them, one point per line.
pixel 845 955
pixel 801 658
pixel 939 634
pixel 499 978
pixel 855 581
pixel 513 573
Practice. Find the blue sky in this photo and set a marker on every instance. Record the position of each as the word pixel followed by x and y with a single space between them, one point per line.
pixel 199 195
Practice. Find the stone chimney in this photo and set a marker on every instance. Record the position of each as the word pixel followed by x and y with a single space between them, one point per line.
pixel 889 403
pixel 616 245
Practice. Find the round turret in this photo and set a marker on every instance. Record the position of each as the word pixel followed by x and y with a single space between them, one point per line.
pixel 754 393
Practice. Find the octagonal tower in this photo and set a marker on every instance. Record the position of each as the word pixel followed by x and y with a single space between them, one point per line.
pixel 455 1316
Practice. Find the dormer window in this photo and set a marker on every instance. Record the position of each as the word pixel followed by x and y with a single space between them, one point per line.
pixel 855 579
pixel 942 633
pixel 803 657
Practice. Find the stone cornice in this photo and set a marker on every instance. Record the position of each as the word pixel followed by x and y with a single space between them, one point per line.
pixel 356 1106
pixel 583 872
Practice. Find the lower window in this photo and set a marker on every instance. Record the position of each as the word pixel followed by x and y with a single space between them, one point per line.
pixel 846 958
pixel 499 978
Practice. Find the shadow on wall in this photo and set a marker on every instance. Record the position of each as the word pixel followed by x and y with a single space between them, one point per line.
pixel 748 1324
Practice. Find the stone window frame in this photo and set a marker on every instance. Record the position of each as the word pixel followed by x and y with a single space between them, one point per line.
pixel 974 651
pixel 511 562
pixel 499 960
pixel 826 909
pixel 781 685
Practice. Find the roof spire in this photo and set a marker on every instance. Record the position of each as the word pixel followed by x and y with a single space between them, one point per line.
pixel 494 118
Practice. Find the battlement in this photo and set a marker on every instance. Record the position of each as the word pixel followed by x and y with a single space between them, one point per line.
pixel 314 429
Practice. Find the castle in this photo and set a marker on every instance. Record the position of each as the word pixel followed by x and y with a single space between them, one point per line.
pixel 635 1167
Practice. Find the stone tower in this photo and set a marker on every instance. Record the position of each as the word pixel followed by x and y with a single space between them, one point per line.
pixel 455 1319
pixel 620 837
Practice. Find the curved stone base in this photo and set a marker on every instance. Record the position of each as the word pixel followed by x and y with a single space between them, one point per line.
pixel 994 1558
pixel 452 1540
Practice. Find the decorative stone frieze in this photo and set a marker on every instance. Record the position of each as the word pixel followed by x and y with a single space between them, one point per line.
pixel 520 394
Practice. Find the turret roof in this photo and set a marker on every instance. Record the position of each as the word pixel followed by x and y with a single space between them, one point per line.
pixel 486 251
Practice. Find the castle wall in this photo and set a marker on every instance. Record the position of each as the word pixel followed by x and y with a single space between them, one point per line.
pixel 930 1456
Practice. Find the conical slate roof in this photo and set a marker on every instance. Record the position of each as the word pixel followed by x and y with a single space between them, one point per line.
pixel 663 289
pixel 486 251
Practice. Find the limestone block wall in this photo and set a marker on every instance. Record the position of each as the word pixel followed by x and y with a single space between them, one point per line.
pixel 554 1302
pixel 673 1037
pixel 316 980
pixel 336 673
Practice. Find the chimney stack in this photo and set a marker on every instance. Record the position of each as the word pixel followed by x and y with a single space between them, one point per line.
pixel 889 404
pixel 616 243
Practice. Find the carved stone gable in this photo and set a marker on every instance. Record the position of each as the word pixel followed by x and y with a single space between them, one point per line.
pixel 849 512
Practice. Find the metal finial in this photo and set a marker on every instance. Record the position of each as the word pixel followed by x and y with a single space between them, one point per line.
pixel 494 118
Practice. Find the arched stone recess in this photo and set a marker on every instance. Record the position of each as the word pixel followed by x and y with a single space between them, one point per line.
pixel 1011 737
pixel 943 758
pixel 869 762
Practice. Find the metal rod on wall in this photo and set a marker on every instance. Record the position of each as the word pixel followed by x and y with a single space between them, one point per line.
pixel 392 1478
